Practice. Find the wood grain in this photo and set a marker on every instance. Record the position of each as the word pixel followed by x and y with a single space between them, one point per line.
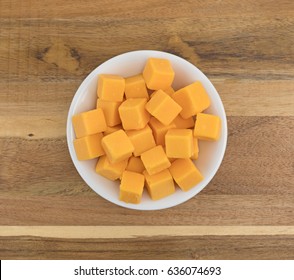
pixel 193 242
pixel 197 248
pixel 246 49
pixel 130 232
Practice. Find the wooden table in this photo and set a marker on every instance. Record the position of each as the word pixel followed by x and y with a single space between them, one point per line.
pixel 48 47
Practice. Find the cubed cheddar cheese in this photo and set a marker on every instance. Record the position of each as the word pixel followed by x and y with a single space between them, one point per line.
pixel 110 110
pixel 131 187
pixel 160 184
pixel 135 164
pixel 158 73
pixel 111 129
pixel 159 130
pixel 183 123
pixel 133 113
pixel 155 160
pixel 111 87
pixel 192 98
pixel 89 147
pixel 117 146
pixel 136 87
pixel 88 123
pixel 141 139
pixel 163 107
pixel 179 143
pixel 185 173
pixel 111 171
pixel 207 127
pixel 196 148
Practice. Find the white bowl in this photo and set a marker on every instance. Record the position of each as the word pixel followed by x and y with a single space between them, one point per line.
pixel 132 63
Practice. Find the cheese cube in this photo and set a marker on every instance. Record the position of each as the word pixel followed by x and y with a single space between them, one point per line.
pixel 193 99
pixel 111 87
pixel 185 173
pixel 158 73
pixel 111 171
pixel 131 187
pixel 133 113
pixel 110 110
pixel 89 147
pixel 163 107
pixel 111 129
pixel 135 164
pixel 117 146
pixel 88 123
pixel 159 185
pixel 136 87
pixel 159 130
pixel 196 148
pixel 183 123
pixel 155 160
pixel 179 143
pixel 207 127
pixel 141 139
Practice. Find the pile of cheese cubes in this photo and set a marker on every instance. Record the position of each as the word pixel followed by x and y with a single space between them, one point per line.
pixel 146 138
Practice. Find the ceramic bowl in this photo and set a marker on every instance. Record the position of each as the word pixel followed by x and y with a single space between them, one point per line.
pixel 132 63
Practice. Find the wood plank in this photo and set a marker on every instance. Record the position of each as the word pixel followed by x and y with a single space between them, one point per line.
pixel 164 247
pixel 105 10
pixel 256 98
pixel 42 48
pixel 85 210
pixel 133 232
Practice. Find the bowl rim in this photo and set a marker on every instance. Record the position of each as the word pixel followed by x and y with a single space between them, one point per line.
pixel 93 74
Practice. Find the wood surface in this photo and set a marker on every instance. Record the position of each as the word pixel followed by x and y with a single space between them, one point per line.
pixel 48 47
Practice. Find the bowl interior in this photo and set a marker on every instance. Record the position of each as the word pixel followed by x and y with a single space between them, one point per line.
pixel 132 63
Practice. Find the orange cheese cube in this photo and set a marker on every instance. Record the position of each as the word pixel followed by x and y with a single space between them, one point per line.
pixel 131 187
pixel 185 173
pixel 159 185
pixel 135 164
pixel 111 129
pixel 88 123
pixel 179 143
pixel 141 139
pixel 89 147
pixel 117 146
pixel 207 127
pixel 193 99
pixel 183 123
pixel 110 110
pixel 158 73
pixel 136 87
pixel 155 160
pixel 163 107
pixel 196 148
pixel 111 171
pixel 133 113
pixel 159 130
pixel 111 87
